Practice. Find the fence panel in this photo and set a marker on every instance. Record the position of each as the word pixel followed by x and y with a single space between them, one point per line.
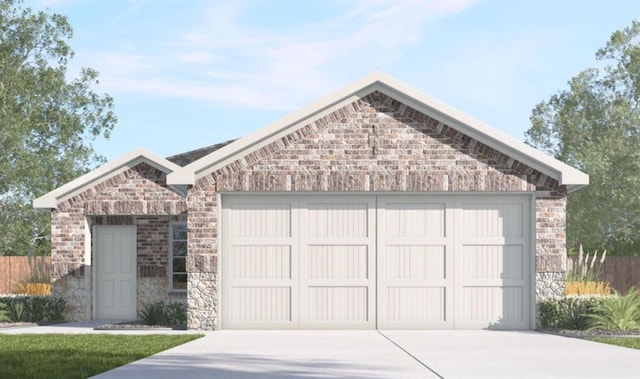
pixel 622 272
pixel 15 270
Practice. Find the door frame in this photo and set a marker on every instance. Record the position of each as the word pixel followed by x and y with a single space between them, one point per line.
pixel 94 269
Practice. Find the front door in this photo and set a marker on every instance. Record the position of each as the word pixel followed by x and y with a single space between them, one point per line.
pixel 115 272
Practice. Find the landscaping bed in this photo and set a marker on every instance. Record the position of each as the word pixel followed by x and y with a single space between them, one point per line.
pixel 138 325
pixel 599 333
pixel 6 324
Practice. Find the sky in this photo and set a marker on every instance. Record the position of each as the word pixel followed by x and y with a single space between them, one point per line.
pixel 192 73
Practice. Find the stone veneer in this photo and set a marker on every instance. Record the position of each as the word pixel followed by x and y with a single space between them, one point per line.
pixel 375 144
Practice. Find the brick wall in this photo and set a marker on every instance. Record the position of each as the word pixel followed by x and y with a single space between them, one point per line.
pixel 373 144
pixel 138 196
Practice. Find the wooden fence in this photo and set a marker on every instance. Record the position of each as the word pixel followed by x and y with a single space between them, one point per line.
pixel 16 270
pixel 622 273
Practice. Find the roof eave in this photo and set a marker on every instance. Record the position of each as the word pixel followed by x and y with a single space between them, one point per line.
pixel 135 157
pixel 564 174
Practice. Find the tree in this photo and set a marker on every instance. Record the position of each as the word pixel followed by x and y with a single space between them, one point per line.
pixel 47 120
pixel 594 125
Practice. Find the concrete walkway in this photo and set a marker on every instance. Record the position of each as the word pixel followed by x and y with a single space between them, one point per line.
pixel 84 328
pixel 374 354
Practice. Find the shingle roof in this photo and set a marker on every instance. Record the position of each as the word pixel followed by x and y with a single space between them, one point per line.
pixel 185 158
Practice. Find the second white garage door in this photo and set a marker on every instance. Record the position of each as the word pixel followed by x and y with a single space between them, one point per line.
pixel 366 262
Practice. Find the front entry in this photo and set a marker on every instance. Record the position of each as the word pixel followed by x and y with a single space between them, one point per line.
pixel 115 268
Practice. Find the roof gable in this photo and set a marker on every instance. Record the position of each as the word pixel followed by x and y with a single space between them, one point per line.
pixel 103 173
pixel 405 96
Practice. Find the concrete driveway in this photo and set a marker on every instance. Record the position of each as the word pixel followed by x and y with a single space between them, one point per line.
pixel 385 354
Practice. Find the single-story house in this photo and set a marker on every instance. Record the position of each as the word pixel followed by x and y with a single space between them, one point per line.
pixel 376 207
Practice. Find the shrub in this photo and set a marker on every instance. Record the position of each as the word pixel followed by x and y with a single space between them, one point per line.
pixel 176 314
pixel 43 289
pixel 586 268
pixel 34 308
pixel 153 314
pixel 620 312
pixel 161 313
pixel 4 312
pixel 567 313
pixel 587 288
pixel 18 312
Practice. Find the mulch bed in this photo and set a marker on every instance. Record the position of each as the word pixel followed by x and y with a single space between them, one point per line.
pixel 4 324
pixel 138 325
pixel 591 333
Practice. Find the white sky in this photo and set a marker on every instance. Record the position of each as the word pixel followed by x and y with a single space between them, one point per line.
pixel 187 74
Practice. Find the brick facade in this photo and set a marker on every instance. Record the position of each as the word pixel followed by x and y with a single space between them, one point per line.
pixel 137 196
pixel 375 144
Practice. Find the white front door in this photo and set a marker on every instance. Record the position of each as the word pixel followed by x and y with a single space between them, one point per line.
pixel 115 269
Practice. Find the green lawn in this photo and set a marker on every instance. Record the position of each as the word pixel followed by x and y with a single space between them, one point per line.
pixel 67 356
pixel 632 342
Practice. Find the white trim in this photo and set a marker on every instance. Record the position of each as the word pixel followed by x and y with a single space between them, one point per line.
pixel 221 256
pixel 170 257
pixel 102 173
pixel 378 81
pixel 533 302
pixel 94 274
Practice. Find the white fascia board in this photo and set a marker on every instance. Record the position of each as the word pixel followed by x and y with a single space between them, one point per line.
pixel 565 174
pixel 115 167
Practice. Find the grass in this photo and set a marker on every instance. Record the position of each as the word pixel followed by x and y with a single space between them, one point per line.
pixel 67 356
pixel 632 342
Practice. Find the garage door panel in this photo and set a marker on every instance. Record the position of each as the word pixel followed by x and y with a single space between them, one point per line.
pixel 260 220
pixel 258 260
pixel 415 262
pixel 337 236
pixel 492 220
pixel 414 305
pixel 492 262
pixel 338 262
pixel 492 275
pixel 338 305
pixel 338 220
pixel 262 304
pixel 261 262
pixel 493 307
pixel 414 219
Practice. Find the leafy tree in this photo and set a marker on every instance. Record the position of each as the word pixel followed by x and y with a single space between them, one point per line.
pixel 48 121
pixel 594 125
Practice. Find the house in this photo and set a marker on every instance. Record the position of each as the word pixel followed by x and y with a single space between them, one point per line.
pixel 376 207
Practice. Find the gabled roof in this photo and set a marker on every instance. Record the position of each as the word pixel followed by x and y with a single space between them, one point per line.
pixel 563 173
pixel 102 173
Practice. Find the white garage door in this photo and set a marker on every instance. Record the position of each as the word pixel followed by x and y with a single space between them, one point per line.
pixel 366 262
